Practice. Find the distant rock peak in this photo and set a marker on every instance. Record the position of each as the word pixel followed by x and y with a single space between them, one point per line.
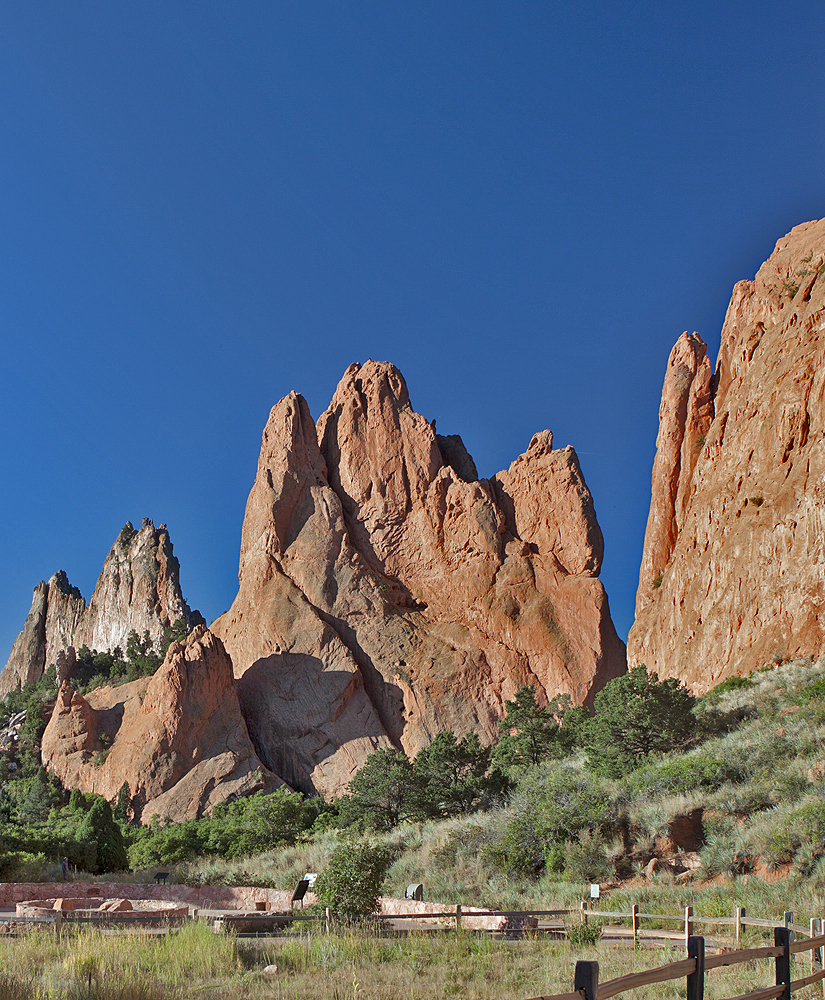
pixel 138 589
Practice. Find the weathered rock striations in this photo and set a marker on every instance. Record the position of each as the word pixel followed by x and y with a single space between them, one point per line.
pixel 56 609
pixel 386 593
pixel 177 739
pixel 733 571
pixel 138 588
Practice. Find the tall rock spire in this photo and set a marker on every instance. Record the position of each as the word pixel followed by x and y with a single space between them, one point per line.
pixel 733 571
pixel 138 589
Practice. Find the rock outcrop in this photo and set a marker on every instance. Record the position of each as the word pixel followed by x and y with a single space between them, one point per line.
pixel 177 739
pixel 56 609
pixel 138 588
pixel 386 593
pixel 733 571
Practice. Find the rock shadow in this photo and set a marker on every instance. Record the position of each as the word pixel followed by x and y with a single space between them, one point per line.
pixel 299 714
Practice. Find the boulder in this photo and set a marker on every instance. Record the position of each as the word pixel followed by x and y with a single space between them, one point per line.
pixel 116 906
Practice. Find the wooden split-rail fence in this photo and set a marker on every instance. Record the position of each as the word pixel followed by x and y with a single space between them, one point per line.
pixel 693 969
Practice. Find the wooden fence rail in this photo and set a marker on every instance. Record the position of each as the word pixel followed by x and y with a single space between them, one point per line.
pixel 688 920
pixel 586 985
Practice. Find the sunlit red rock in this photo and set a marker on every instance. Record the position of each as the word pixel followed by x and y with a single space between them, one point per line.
pixel 386 593
pixel 733 573
pixel 177 739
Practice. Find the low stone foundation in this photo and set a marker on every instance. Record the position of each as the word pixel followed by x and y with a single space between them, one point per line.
pixel 204 897
pixel 90 906
pixel 244 899
pixel 474 918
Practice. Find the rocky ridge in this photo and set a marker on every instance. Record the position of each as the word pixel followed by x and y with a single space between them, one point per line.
pixel 138 589
pixel 733 570
pixel 387 593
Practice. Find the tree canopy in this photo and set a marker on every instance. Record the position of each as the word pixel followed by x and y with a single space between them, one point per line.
pixel 636 715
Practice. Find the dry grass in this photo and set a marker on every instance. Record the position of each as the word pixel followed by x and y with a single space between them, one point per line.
pixel 90 965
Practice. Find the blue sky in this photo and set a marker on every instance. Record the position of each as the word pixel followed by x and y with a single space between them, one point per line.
pixel 522 205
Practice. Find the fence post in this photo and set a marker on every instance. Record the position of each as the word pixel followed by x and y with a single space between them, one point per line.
pixel 821 954
pixel 696 980
pixel 634 916
pixel 584 911
pixel 328 919
pixel 787 920
pixel 816 953
pixel 782 939
pixel 688 925
pixel 58 923
pixel 587 979
pixel 458 916
pixel 740 912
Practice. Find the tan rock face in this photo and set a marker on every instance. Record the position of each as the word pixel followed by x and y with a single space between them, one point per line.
pixel 738 502
pixel 138 588
pixel 177 739
pixel 56 609
pixel 385 593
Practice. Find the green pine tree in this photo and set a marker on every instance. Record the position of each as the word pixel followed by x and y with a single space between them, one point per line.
pixel 98 828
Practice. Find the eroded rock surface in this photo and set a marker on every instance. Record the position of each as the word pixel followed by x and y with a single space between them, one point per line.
pixel 386 593
pixel 177 739
pixel 56 609
pixel 733 572
pixel 138 589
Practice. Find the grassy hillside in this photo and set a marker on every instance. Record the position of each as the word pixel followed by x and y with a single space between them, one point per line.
pixel 751 788
pixel 747 784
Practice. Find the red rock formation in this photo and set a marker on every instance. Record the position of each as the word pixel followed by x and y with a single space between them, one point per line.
pixel 733 572
pixel 385 593
pixel 138 589
pixel 177 739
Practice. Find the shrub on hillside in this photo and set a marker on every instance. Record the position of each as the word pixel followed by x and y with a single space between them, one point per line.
pixel 636 715
pixel 803 826
pixel 585 859
pixel 549 808
pixel 350 885
pixel 680 776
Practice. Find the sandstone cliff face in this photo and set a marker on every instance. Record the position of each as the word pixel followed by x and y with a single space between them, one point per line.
pixel 138 589
pixel 733 572
pixel 385 593
pixel 177 739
